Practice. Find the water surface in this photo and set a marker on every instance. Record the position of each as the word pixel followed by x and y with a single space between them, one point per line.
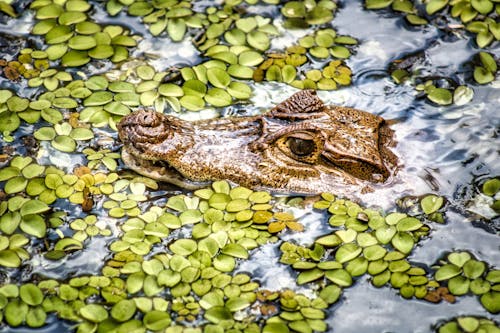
pixel 444 150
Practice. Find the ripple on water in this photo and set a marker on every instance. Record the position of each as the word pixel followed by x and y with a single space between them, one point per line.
pixel 382 38
pixel 368 309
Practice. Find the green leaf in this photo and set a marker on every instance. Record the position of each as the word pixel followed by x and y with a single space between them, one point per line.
pixel 218 77
pixel 33 225
pixel 434 6
pixel 183 247
pixel 446 272
pixel 491 301
pixel 491 187
pixel 440 96
pixel 459 258
pixel 7 9
pixel 377 4
pixel 309 276
pixel 483 75
pixel 31 294
pixel 9 258
pixel 405 6
pixel 431 203
pixel 94 312
pixel 488 61
pixel 340 277
pixel 34 207
pixel 15 185
pixel 484 39
pixel 15 312
pixel 474 269
pixel 482 6
pixel 217 314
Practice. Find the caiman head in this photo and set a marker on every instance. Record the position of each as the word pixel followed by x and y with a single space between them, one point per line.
pixel 299 146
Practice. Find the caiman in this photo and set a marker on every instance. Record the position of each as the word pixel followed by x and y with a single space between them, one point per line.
pixel 299 146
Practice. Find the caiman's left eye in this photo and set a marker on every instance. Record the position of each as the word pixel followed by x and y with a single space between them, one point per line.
pixel 301 147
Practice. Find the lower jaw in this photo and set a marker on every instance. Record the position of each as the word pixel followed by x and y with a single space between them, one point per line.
pixel 164 173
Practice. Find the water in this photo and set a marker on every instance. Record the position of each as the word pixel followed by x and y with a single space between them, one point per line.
pixel 444 150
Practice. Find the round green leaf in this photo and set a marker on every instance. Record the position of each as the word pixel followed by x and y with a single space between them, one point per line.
pixel 491 301
pixel 218 77
pixel 431 203
pixel 31 294
pixel 156 320
pixel 474 269
pixel 9 258
pixel 491 186
pixel 94 312
pixel 183 247
pixel 340 277
pixel 15 185
pixel 218 97
pixel 217 314
pixel 446 272
pixel 403 242
pixel 440 96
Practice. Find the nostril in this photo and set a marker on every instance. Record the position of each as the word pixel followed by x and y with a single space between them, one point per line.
pixel 147 119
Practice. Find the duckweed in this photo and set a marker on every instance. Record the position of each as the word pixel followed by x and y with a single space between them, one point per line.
pixel 198 265
pixel 486 70
pixel 468 324
pixel 477 17
pixel 464 274
pixel 299 13
pixel 323 45
pixel 354 256
pixel 491 188
pixel 486 193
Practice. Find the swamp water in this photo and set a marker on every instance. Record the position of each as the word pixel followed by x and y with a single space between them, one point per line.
pixel 446 150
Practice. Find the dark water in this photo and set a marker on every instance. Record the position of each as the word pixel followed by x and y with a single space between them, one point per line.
pixel 445 150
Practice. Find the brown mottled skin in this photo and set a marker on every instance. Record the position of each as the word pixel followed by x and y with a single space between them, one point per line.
pixel 299 146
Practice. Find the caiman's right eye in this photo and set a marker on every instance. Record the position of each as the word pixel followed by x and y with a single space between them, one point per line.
pixel 305 146
pixel 301 147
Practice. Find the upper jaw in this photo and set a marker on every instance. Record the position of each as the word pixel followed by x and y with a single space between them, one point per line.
pixel 162 172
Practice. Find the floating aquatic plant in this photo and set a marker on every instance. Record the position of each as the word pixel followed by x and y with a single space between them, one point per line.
pixel 464 274
pixel 486 70
pixel 491 188
pixel 468 324
pixel 476 16
pixel 324 45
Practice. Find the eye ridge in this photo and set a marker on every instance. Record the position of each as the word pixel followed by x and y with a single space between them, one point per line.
pixel 301 147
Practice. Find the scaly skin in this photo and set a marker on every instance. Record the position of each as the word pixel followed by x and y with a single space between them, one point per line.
pixel 299 146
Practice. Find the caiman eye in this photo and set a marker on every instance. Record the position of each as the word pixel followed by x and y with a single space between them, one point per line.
pixel 301 147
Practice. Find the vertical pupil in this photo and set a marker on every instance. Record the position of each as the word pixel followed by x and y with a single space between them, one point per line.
pixel 301 147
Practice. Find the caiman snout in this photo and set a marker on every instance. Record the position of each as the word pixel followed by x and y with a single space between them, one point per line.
pixel 148 118
pixel 142 118
pixel 144 126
